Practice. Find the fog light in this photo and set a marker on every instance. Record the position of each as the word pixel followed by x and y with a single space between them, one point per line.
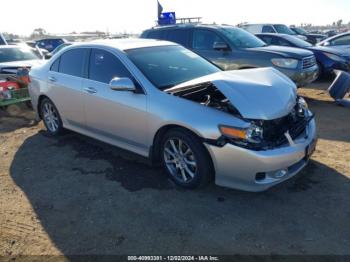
pixel 260 176
pixel 281 173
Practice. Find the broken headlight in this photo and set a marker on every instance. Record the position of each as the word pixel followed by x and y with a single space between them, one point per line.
pixel 252 134
pixel 302 107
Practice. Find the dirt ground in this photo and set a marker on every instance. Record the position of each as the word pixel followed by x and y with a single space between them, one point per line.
pixel 73 195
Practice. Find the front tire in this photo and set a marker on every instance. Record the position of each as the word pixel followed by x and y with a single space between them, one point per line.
pixel 185 159
pixel 51 117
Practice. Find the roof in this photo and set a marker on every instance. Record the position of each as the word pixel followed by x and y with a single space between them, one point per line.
pixel 128 43
pixel 188 25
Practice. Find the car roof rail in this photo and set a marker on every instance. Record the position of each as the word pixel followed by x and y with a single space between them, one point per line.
pixel 182 21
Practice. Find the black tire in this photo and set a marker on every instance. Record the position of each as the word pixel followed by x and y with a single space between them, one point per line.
pixel 204 170
pixel 320 71
pixel 54 132
pixel 340 86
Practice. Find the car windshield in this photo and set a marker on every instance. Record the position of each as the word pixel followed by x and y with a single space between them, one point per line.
pixel 300 31
pixel 241 38
pixel 283 29
pixel 168 66
pixel 297 41
pixel 16 54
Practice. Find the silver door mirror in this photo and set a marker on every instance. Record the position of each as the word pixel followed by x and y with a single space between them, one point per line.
pixel 327 44
pixel 220 46
pixel 122 84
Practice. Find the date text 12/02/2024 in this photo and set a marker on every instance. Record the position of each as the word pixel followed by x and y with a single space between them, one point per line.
pixel 173 258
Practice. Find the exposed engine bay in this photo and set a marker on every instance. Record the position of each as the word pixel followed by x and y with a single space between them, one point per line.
pixel 206 94
pixel 274 132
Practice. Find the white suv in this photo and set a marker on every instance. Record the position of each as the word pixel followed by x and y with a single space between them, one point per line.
pixel 271 28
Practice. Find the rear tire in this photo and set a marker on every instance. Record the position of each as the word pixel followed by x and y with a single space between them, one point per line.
pixel 185 159
pixel 51 117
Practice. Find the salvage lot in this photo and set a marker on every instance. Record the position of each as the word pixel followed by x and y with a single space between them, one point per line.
pixel 74 195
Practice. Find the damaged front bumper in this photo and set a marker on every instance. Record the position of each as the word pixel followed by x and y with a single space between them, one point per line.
pixel 255 171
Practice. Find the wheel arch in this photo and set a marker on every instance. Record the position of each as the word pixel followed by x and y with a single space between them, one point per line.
pixel 155 148
pixel 40 99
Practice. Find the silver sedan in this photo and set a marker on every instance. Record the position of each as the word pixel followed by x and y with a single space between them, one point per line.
pixel 244 129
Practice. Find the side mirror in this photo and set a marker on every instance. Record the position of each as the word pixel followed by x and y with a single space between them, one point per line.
pixel 122 84
pixel 221 46
pixel 326 44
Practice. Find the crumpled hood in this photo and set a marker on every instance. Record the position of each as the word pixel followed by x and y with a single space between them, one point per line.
pixel 17 64
pixel 263 93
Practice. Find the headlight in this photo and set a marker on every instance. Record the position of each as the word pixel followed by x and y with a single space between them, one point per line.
pixel 285 62
pixel 302 107
pixel 252 134
pixel 335 57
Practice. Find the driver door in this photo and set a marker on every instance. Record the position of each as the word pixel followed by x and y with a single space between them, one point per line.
pixel 203 41
pixel 117 117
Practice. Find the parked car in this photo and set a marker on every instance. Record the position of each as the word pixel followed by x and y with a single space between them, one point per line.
pixel 330 33
pixel 341 41
pixel 328 59
pixel 50 43
pixel 14 57
pixel 2 40
pixel 310 37
pixel 272 29
pixel 233 48
pixel 49 55
pixel 248 129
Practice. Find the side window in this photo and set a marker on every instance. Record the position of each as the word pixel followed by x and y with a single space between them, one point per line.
pixel 267 29
pixel 72 62
pixel 343 40
pixel 178 36
pixel 280 41
pixel 205 39
pixel 266 39
pixel 156 34
pixel 104 66
pixel 55 66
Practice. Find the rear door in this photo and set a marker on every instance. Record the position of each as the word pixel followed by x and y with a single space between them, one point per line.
pixel 118 117
pixel 65 80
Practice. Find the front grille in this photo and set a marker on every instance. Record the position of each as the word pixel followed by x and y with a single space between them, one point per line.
pixel 274 130
pixel 309 62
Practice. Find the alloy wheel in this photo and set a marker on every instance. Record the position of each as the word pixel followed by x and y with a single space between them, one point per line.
pixel 180 160
pixel 50 117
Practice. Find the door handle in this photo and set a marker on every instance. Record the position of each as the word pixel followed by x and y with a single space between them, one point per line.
pixel 52 79
pixel 90 90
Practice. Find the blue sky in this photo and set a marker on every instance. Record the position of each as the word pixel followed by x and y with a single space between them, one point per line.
pixel 135 15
